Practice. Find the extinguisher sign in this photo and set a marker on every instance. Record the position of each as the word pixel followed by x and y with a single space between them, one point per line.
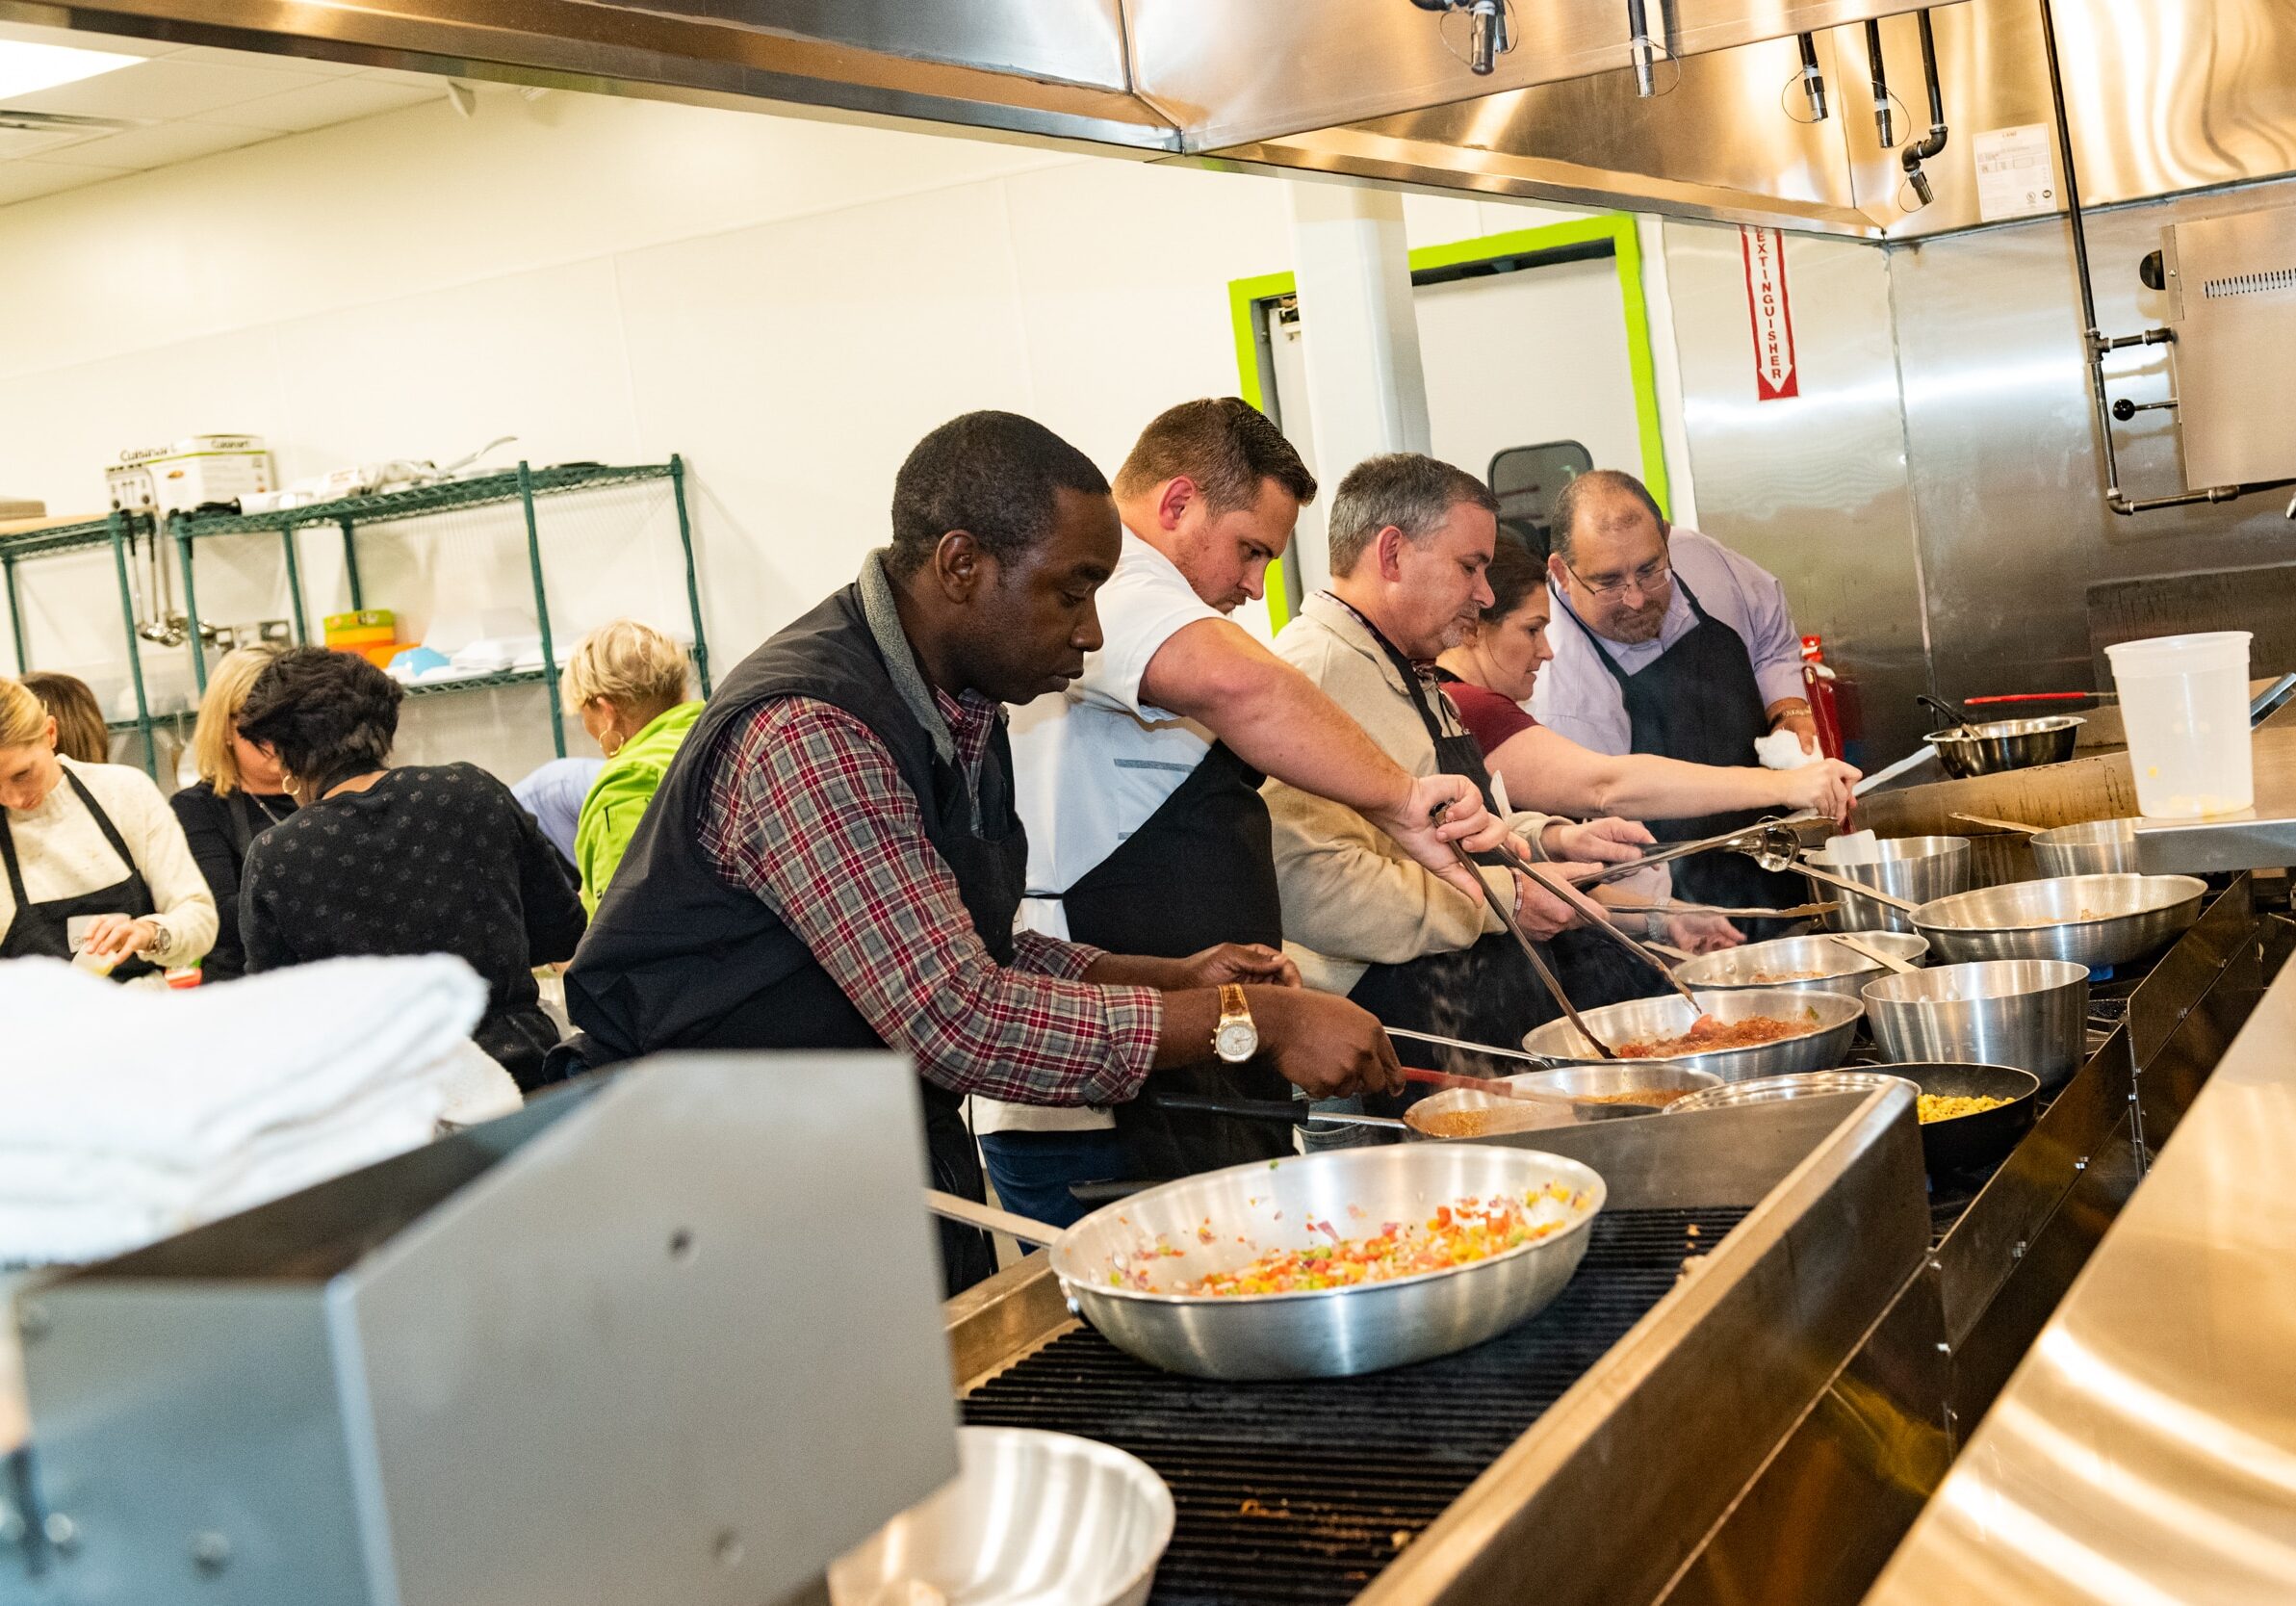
pixel 1772 313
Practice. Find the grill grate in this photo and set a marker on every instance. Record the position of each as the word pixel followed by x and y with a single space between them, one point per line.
pixel 1299 1492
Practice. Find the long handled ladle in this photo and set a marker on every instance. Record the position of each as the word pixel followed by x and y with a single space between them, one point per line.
pixel 1858 887
pixel 1867 950
pixel 1772 845
pixel 1599 917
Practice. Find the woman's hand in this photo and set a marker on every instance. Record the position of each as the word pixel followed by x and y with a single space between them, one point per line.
pixel 1702 933
pixel 118 937
pixel 1826 787
pixel 1601 842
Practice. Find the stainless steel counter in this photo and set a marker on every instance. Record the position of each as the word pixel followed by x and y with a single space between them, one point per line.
pixel 2146 1449
pixel 2261 838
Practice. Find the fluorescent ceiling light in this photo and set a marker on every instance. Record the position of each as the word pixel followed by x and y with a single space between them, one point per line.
pixel 28 69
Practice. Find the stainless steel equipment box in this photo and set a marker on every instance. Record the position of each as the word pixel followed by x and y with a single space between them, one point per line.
pixel 2232 285
pixel 672 1335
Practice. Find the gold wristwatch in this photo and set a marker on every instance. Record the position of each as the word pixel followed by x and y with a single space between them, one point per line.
pixel 1235 1039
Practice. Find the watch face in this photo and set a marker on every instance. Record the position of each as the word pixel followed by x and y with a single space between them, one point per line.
pixel 1237 1040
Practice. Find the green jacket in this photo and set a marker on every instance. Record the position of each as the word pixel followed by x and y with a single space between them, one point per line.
pixel 617 799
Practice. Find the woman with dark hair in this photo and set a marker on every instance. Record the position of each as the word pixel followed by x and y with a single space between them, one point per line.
pixel 1490 675
pixel 418 859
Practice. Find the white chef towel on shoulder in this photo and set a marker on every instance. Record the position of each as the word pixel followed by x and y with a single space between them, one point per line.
pixel 182 1080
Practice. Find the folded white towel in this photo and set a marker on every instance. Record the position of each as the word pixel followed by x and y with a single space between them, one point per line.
pixel 183 1078
pixel 1782 750
pixel 132 1116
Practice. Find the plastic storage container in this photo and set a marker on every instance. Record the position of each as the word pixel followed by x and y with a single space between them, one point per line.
pixel 2184 706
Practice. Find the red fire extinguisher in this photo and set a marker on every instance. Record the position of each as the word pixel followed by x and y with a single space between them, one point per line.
pixel 1819 687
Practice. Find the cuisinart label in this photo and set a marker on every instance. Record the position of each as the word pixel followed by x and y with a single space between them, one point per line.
pixel 2016 173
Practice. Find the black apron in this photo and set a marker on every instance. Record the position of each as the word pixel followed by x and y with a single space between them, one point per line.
pixel 1698 702
pixel 40 928
pixel 1198 872
pixel 1486 992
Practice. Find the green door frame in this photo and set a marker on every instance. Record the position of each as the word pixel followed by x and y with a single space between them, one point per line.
pixel 1611 234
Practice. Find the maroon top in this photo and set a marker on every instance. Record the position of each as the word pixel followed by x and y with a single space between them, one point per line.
pixel 1490 718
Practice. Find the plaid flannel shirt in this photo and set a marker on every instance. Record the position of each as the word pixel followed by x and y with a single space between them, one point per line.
pixel 808 812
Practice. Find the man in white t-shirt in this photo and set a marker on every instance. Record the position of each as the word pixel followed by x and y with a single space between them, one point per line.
pixel 1139 786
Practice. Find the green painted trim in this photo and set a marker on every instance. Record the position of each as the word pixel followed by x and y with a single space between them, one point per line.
pixel 1618 228
pixel 1244 298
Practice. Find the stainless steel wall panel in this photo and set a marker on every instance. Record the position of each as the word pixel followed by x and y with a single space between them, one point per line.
pixel 1238 73
pixel 2008 498
pixel 1073 41
pixel 1813 487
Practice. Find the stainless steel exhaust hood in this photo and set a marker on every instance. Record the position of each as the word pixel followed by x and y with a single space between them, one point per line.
pixel 2162 98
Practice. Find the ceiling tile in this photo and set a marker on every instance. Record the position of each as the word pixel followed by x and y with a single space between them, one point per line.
pixel 23 180
pixel 337 100
pixel 165 89
pixel 159 145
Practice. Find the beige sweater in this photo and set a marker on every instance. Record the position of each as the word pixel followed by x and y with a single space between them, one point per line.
pixel 64 853
pixel 1350 897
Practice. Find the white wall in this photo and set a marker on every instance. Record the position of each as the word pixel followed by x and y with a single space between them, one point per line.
pixel 788 304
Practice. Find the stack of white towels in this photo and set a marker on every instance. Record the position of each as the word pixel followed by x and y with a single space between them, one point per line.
pixel 128 1115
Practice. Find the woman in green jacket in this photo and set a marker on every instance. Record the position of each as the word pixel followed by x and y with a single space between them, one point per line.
pixel 627 684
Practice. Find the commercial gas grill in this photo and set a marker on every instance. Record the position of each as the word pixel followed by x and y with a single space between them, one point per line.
pixel 1580 1457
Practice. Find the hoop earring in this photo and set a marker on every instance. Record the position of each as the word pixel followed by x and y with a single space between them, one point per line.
pixel 287 785
pixel 620 742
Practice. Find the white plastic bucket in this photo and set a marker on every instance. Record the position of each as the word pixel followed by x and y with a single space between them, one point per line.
pixel 2184 707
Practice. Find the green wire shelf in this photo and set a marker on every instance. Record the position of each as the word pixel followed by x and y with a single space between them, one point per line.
pixel 477 682
pixel 58 537
pixel 487 491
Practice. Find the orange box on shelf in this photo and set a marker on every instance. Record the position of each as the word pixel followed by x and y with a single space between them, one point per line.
pixel 361 639
pixel 381 653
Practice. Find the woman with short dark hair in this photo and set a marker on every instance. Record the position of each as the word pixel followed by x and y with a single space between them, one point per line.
pixel 416 859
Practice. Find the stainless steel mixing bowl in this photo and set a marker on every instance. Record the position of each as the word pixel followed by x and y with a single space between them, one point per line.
pixel 2094 848
pixel 1178 1234
pixel 1629 1083
pixel 1773 1090
pixel 1032 1517
pixel 2031 1014
pixel 2090 920
pixel 1915 869
pixel 2005 744
pixel 1828 1024
pixel 1837 969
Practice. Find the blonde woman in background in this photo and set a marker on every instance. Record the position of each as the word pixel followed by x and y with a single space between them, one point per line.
pixel 91 842
pixel 239 796
pixel 79 730
pixel 627 684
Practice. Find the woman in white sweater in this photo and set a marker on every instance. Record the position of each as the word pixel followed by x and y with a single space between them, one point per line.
pixel 93 841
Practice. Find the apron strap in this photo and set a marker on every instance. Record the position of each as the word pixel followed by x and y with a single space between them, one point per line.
pixel 1413 684
pixel 15 872
pixel 103 823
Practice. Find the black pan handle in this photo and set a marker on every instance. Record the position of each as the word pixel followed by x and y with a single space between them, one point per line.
pixel 1292 1112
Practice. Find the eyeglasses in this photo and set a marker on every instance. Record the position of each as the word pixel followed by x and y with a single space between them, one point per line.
pixel 1649 580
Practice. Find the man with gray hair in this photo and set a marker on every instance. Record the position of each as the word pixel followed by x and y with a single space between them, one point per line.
pixel 1410 539
pixel 1666 642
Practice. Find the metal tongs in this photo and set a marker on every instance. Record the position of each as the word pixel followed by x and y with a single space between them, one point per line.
pixel 1772 843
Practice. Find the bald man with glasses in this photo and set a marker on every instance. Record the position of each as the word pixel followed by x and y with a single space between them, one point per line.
pixel 1666 642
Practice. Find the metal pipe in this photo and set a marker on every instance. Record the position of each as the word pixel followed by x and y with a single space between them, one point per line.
pixel 2092 339
pixel 1813 80
pixel 1921 151
pixel 1884 125
pixel 1637 44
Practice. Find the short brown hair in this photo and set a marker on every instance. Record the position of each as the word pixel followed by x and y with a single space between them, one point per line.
pixel 1226 445
pixel 1411 491
pixel 79 730
pixel 1592 486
